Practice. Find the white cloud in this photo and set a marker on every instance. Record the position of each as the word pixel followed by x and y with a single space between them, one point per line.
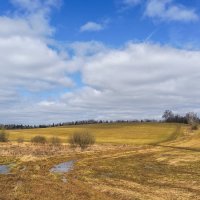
pixel 139 80
pixel 136 81
pixel 170 11
pixel 92 26
pixel 34 14
pixel 27 61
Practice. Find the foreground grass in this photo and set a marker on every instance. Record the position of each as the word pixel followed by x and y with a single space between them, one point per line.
pixel 107 171
pixel 137 133
pixel 120 173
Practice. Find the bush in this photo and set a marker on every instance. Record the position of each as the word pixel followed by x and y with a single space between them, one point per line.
pixel 20 140
pixel 39 139
pixel 194 126
pixel 55 141
pixel 81 139
pixel 3 136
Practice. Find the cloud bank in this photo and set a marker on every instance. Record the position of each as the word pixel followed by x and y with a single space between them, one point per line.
pixel 137 81
pixel 90 80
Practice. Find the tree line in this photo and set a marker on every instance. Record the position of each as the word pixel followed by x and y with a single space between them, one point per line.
pixel 82 122
pixel 188 118
pixel 168 116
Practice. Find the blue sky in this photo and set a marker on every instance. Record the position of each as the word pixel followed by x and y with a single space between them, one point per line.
pixel 123 22
pixel 123 25
pixel 109 59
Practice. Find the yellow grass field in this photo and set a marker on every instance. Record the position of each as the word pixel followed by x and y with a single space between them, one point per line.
pixel 144 161
pixel 136 133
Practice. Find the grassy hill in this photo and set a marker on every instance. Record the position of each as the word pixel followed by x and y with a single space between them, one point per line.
pixel 168 169
pixel 123 133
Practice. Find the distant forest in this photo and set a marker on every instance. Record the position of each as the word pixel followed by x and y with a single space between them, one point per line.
pixel 168 117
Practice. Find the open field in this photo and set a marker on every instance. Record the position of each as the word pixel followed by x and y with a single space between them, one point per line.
pixel 137 133
pixel 140 161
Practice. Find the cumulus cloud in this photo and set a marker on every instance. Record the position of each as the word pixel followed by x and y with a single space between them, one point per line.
pixel 28 61
pixel 34 14
pixel 170 11
pixel 92 26
pixel 26 57
pixel 137 81
pixel 28 64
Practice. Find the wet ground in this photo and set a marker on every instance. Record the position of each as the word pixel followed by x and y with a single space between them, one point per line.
pixel 63 167
pixel 4 169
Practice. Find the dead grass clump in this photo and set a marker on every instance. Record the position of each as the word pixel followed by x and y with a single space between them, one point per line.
pixel 81 139
pixel 39 139
pixel 3 136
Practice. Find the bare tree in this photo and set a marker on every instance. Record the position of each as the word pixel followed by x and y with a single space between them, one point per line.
pixel 168 115
pixel 192 119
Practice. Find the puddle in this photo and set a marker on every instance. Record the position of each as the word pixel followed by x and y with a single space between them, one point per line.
pixel 4 169
pixel 63 167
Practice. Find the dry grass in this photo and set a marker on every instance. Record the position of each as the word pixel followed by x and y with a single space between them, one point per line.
pixel 137 133
pixel 106 171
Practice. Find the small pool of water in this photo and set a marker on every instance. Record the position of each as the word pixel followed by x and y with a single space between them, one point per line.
pixel 63 167
pixel 4 169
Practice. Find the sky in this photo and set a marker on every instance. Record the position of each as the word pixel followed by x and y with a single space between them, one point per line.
pixel 66 60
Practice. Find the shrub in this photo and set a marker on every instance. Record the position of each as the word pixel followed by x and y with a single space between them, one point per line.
pixel 55 141
pixel 81 139
pixel 3 136
pixel 39 139
pixel 194 126
pixel 20 140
